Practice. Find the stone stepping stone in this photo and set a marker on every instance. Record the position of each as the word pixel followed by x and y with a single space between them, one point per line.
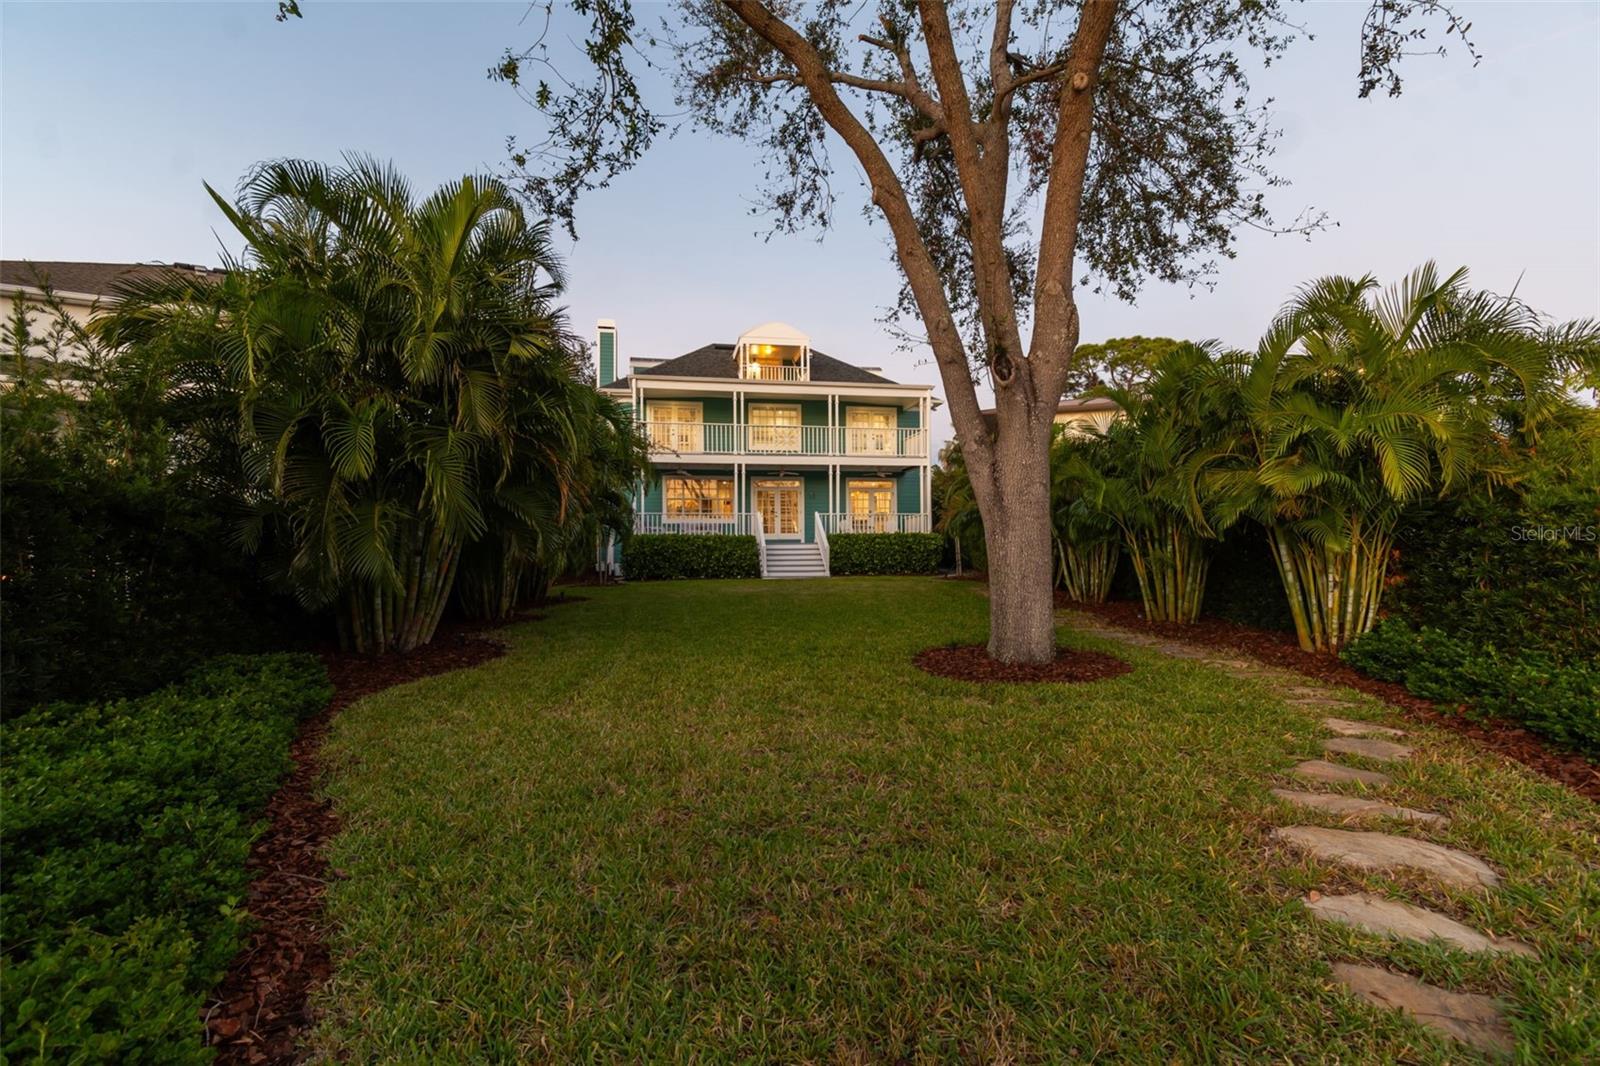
pixel 1472 1019
pixel 1346 727
pixel 1356 807
pixel 1322 770
pixel 1380 851
pixel 1368 748
pixel 1401 921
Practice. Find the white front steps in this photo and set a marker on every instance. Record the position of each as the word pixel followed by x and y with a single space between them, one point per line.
pixel 794 559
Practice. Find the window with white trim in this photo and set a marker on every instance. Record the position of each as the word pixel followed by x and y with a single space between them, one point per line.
pixel 676 425
pixel 871 505
pixel 870 430
pixel 688 499
pixel 774 427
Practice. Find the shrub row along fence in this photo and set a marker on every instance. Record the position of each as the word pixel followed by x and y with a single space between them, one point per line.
pixel 125 837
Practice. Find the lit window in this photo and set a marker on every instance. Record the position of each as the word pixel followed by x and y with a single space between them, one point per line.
pixel 774 427
pixel 690 498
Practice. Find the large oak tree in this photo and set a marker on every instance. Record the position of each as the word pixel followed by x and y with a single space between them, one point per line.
pixel 1016 150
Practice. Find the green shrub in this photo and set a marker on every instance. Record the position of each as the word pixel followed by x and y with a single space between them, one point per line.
pixel 1242 584
pixel 114 584
pixel 670 556
pixel 1521 573
pixel 126 832
pixel 885 553
pixel 1558 700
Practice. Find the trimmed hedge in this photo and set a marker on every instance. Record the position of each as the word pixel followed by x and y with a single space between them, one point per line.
pixel 885 553
pixel 126 831
pixel 1559 701
pixel 671 556
pixel 1522 574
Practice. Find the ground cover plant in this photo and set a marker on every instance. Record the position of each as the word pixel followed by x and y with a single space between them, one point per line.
pixel 125 834
pixel 733 820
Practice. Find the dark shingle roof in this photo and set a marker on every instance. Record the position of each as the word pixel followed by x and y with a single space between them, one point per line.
pixel 95 279
pixel 717 361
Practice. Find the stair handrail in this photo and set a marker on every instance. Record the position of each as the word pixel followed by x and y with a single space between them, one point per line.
pixel 822 541
pixel 760 527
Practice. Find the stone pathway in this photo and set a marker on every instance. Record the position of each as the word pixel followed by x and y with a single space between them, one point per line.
pixel 1322 770
pixel 1355 807
pixel 1367 748
pixel 1469 1018
pixel 1382 851
pixel 1402 921
pixel 1473 1019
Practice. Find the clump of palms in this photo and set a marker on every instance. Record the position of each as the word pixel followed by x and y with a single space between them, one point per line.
pixel 1088 541
pixel 955 507
pixel 1359 402
pixel 398 386
pixel 1142 476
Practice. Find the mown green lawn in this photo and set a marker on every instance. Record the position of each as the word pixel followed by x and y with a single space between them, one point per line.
pixel 717 821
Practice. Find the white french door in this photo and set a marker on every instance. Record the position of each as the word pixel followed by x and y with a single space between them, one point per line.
pixel 676 427
pixel 774 427
pixel 778 500
pixel 869 430
pixel 871 505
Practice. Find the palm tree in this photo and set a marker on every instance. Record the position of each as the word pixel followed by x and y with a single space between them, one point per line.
pixel 1357 403
pixel 1087 539
pixel 398 377
pixel 955 508
pixel 1141 476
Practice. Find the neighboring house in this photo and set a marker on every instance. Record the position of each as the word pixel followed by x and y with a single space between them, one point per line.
pixel 81 288
pixel 1081 417
pixel 768 437
pixel 1078 418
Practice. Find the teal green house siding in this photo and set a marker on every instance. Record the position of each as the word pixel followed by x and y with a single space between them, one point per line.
pixel 608 355
pixel 908 494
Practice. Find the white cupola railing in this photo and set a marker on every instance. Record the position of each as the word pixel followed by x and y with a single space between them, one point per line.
pixel 774 351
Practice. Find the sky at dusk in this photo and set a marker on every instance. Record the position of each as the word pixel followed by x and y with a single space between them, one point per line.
pixel 112 116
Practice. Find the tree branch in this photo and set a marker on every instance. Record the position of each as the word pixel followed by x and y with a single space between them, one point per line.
pixel 982 188
pixel 922 274
pixel 1055 327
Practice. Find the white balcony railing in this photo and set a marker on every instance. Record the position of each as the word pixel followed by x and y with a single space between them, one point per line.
pixel 739 438
pixel 744 523
pixel 888 522
pixel 776 372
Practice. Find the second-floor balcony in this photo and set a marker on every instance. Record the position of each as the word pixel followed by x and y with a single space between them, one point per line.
pixel 739 438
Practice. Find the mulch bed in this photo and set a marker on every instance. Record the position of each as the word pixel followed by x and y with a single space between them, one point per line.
pixel 971 662
pixel 1281 649
pixel 258 1013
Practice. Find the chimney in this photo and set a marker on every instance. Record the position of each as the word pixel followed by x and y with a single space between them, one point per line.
pixel 608 351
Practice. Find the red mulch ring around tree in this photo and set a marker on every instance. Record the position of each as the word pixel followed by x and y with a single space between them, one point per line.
pixel 1575 771
pixel 971 662
pixel 258 1012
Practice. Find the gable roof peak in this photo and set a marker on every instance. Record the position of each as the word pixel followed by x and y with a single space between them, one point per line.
pixel 774 333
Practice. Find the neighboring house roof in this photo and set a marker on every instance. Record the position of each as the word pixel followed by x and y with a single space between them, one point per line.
pixel 1093 403
pixel 91 279
pixel 717 361
pixel 1073 407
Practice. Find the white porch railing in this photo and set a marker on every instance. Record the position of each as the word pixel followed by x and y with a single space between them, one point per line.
pixel 743 524
pixel 776 372
pixel 760 526
pixel 905 522
pixel 822 540
pixel 740 438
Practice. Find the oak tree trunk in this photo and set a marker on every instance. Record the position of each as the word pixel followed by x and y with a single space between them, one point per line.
pixel 1021 546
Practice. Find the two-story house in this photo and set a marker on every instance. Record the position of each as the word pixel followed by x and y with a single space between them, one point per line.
pixel 768 437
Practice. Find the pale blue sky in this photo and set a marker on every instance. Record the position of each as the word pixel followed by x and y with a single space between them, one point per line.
pixel 113 115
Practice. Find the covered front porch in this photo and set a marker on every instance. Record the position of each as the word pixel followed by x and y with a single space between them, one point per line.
pixel 792 503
